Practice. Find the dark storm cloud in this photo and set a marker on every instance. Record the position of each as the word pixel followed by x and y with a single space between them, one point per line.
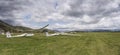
pixel 7 8
pixel 74 13
pixel 9 21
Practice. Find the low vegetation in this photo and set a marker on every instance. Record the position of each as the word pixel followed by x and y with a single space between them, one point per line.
pixel 87 43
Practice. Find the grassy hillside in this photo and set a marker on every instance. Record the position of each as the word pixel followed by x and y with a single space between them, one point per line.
pixel 5 26
pixel 11 28
pixel 92 43
pixel 23 29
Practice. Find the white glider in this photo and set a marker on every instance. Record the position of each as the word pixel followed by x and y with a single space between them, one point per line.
pixel 55 34
pixel 47 34
pixel 8 35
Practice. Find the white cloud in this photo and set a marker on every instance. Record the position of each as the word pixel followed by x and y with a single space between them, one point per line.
pixel 78 14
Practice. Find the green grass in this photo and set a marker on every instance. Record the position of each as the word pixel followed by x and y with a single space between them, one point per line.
pixel 91 43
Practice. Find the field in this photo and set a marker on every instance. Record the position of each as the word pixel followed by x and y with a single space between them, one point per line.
pixel 86 43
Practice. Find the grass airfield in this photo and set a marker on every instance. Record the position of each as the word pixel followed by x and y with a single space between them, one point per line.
pixel 86 43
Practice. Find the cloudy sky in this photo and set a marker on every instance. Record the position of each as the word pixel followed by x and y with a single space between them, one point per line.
pixel 62 14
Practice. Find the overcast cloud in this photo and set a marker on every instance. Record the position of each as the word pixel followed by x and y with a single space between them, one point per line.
pixel 62 14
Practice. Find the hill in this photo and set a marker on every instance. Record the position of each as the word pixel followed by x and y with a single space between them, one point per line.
pixel 7 27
